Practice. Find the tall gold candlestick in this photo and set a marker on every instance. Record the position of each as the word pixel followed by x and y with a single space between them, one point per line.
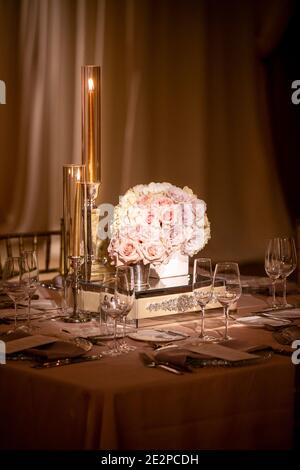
pixel 91 122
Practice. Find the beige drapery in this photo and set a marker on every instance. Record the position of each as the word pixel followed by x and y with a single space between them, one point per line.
pixel 183 101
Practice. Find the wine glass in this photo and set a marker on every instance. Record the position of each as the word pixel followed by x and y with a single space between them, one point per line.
pixel 113 306
pixel 125 287
pixel 203 291
pixel 273 265
pixel 288 263
pixel 15 281
pixel 103 324
pixel 31 262
pixel 228 275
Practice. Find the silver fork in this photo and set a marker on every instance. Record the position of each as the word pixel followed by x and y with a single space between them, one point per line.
pixel 151 362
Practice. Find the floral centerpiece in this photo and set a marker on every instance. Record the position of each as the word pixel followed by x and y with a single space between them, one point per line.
pixel 153 222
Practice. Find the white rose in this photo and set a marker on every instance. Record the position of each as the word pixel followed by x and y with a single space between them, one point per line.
pixel 188 190
pixel 195 244
pixel 199 208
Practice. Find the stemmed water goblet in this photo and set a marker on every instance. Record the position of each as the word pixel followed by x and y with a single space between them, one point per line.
pixel 103 324
pixel 113 305
pixel 288 263
pixel 273 265
pixel 15 281
pixel 203 291
pixel 31 262
pixel 227 276
pixel 125 287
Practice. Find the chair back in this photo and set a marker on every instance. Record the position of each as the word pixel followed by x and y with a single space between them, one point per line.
pixel 47 244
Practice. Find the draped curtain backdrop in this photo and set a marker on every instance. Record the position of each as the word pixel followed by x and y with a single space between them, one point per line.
pixel 184 101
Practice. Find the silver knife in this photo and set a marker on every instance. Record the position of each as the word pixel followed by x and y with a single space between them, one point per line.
pixel 67 361
pixel 151 362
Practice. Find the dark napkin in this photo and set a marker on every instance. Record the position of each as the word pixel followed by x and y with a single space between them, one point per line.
pixel 185 359
pixel 287 335
pixel 178 356
pixel 14 335
pixel 57 350
pixel 51 352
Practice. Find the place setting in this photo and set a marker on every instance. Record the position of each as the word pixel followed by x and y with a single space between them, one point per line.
pixel 188 358
pixel 218 348
pixel 44 351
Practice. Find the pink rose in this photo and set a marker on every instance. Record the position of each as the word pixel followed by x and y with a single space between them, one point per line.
pixel 144 200
pixel 164 201
pixel 150 216
pixel 132 233
pixel 154 253
pixel 142 234
pixel 167 215
pixel 178 195
pixel 128 252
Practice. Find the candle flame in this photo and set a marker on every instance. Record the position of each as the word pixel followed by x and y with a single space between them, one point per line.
pixel 91 86
pixel 78 175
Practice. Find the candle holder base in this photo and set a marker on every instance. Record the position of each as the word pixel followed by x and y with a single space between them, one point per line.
pixel 80 317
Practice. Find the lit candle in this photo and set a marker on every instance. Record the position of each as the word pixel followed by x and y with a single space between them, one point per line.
pixel 91 160
pixel 77 219
pixel 91 122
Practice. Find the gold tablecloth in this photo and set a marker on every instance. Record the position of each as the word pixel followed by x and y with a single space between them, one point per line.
pixel 118 403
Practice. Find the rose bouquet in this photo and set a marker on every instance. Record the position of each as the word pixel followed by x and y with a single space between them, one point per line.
pixel 152 222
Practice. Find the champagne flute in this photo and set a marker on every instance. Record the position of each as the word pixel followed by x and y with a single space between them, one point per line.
pixel 15 281
pixel 125 287
pixel 203 291
pixel 273 265
pixel 288 263
pixel 228 274
pixel 31 262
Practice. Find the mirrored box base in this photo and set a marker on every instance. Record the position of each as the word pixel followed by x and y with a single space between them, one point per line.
pixel 164 301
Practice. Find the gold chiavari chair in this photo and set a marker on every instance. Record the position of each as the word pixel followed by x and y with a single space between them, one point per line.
pixel 47 244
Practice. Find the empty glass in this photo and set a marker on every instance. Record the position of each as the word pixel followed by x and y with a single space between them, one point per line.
pixel 288 263
pixel 104 329
pixel 273 265
pixel 203 291
pixel 15 281
pixel 112 305
pixel 227 275
pixel 125 287
pixel 31 263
